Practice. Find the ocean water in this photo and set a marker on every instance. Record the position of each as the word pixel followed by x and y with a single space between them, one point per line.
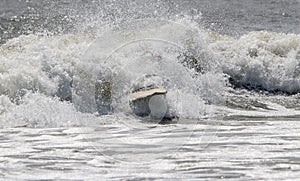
pixel 231 68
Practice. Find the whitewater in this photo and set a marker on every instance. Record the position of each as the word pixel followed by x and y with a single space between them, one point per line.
pixel 236 96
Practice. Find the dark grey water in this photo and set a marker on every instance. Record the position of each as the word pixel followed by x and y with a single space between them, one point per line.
pixel 233 17
pixel 223 134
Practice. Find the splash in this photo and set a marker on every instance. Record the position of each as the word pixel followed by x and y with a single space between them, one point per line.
pixel 196 64
pixel 63 69
pixel 145 47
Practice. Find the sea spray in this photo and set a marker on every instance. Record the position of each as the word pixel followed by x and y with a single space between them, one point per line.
pixel 67 67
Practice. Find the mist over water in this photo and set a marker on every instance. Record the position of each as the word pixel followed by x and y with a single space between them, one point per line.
pixel 231 69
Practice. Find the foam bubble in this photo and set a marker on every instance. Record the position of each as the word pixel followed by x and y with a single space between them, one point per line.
pixel 37 110
pixel 262 60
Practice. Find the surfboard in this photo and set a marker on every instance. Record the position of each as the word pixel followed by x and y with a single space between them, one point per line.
pixel 146 93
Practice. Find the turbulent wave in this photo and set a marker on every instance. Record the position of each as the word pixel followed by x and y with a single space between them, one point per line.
pixel 262 61
pixel 66 68
pixel 44 78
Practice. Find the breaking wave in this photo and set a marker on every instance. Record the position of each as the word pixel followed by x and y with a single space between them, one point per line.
pixel 262 61
pixel 63 69
pixel 48 81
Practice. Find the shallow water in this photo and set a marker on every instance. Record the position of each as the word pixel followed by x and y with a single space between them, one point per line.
pixel 244 149
pixel 235 89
